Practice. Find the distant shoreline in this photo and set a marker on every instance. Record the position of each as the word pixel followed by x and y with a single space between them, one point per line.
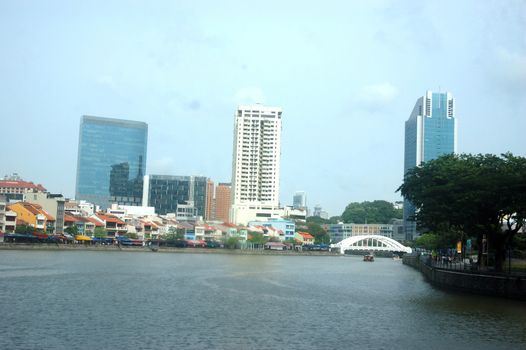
pixel 114 248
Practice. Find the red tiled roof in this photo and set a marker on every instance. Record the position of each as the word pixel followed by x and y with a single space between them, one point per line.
pixel 96 222
pixel 306 235
pixel 34 209
pixel 110 218
pixel 75 218
pixel 21 184
pixel 69 218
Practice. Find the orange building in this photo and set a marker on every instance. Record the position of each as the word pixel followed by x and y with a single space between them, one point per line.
pixel 209 201
pixel 223 202
pixel 33 215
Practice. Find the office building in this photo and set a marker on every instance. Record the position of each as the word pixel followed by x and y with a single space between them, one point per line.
pixel 111 161
pixel 256 164
pixel 209 203
pixel 166 193
pixel 430 131
pixel 223 202
pixel 319 212
pixel 299 200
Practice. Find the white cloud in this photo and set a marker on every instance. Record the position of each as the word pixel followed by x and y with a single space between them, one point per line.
pixel 249 95
pixel 377 95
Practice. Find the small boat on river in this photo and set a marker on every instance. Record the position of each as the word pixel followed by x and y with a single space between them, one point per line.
pixel 368 257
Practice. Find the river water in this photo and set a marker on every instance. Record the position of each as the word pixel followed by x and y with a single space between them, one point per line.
pixel 132 300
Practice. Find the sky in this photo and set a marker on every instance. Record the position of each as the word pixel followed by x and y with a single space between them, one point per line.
pixel 346 73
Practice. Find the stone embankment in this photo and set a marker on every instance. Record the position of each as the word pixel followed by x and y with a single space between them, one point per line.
pixel 498 285
pixel 116 248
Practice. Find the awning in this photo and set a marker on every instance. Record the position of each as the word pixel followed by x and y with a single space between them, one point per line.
pixel 82 238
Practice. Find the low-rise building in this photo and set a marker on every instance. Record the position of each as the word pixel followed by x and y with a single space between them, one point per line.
pixel 287 227
pixel 305 238
pixel 33 215
pixel 10 221
pixel 14 188
pixel 342 231
pixel 295 213
pixel 3 207
pixel 52 203
pixel 113 225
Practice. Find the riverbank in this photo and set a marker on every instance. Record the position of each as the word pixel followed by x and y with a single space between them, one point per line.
pixel 502 285
pixel 115 248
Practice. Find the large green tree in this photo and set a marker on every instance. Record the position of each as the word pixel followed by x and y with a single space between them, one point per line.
pixel 482 196
pixel 100 232
pixel 375 212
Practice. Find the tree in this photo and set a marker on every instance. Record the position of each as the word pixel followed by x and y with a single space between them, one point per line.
pixel 72 230
pixel 318 232
pixel 434 241
pixel 24 229
pixel 100 232
pixel 375 212
pixel 231 242
pixel 482 196
pixel 132 235
pixel 317 220
pixel 257 238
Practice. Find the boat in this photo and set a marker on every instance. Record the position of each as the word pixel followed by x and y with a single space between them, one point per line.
pixel 368 257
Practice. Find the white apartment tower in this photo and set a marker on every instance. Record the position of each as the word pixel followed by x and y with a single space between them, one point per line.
pixel 256 163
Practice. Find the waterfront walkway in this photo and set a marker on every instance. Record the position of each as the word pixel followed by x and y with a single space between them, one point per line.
pixel 466 277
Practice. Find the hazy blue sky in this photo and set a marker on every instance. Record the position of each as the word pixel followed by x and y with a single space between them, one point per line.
pixel 347 75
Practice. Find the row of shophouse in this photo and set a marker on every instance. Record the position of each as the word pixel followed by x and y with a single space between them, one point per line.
pixel 53 214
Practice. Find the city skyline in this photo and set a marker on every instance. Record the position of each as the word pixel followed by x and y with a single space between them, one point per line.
pixel 183 68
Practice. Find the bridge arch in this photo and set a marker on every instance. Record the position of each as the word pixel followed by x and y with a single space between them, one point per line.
pixel 371 243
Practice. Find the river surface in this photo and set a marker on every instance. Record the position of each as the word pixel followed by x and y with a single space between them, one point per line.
pixel 132 300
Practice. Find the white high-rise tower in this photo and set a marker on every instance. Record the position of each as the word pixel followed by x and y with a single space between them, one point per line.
pixel 256 163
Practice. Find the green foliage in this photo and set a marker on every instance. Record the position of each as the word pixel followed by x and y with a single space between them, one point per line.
pixel 24 229
pixel 72 230
pixel 334 219
pixel 180 234
pixel 231 242
pixel 317 220
pixel 257 238
pixel 319 233
pixel 375 212
pixel 132 235
pixel 474 194
pixel 433 241
pixel 100 232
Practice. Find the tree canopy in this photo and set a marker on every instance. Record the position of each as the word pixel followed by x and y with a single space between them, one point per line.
pixel 476 195
pixel 375 212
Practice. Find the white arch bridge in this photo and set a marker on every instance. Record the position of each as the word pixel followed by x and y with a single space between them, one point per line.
pixel 371 243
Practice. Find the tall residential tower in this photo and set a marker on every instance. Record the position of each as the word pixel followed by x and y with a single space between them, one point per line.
pixel 430 131
pixel 111 161
pixel 256 163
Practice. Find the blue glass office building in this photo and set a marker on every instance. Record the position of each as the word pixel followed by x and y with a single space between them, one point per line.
pixel 166 192
pixel 111 161
pixel 430 131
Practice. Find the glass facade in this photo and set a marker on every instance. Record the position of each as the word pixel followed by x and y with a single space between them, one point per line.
pixel 430 132
pixel 166 192
pixel 111 161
